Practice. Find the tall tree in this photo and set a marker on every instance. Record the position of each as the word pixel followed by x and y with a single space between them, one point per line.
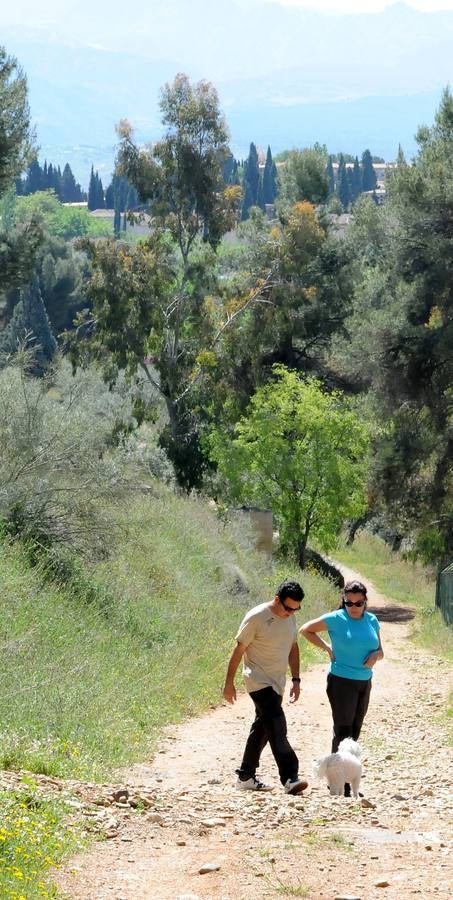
pixel 148 301
pixel 269 179
pixel 36 179
pixel 251 181
pixel 356 180
pixel 100 199
pixel 17 245
pixel 16 135
pixel 92 191
pixel 308 300
pixel 69 188
pixel 343 190
pixel 30 327
pixel 369 179
pixel 417 361
pixel 301 452
pixel 304 177
pixel 330 177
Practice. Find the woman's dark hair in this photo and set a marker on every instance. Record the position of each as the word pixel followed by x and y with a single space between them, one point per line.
pixel 353 587
pixel 290 589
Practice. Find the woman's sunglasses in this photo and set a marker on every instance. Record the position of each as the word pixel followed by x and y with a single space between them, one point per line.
pixel 354 602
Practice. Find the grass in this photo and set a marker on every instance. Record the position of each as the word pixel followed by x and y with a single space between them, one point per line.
pixel 291 890
pixel 404 581
pixel 33 839
pixel 313 838
pixel 96 662
pixel 97 666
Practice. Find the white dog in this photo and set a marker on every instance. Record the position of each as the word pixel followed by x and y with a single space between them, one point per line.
pixel 343 766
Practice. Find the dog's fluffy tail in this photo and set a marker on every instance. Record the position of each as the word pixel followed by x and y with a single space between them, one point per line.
pixel 319 768
pixel 348 745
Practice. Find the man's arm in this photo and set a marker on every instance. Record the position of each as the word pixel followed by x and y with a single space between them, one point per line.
pixel 229 691
pixel 294 663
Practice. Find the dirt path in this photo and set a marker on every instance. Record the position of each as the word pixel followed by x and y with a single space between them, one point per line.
pixel 393 844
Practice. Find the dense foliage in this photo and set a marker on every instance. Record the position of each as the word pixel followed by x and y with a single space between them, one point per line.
pixel 300 452
pixel 49 177
pixel 207 304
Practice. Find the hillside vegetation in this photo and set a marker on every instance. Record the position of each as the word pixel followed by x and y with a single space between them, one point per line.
pixel 101 663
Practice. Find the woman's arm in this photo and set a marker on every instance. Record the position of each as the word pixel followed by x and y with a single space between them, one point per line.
pixel 374 656
pixel 309 630
pixel 294 665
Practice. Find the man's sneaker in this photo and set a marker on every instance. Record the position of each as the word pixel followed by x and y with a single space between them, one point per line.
pixel 252 784
pixel 295 786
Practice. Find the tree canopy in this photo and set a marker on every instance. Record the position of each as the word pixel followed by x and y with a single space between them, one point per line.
pixel 303 453
pixel 16 134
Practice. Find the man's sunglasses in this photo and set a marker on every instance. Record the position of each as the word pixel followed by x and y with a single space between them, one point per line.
pixel 290 609
pixel 354 602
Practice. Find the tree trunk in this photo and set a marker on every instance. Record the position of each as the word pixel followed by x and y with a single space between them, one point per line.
pixel 302 544
pixel 354 527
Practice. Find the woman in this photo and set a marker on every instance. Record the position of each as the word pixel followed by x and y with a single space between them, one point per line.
pixel 355 646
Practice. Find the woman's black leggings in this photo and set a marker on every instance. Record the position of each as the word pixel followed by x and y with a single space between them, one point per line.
pixel 349 700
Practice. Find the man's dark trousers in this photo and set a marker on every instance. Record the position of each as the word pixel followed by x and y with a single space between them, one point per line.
pixel 269 725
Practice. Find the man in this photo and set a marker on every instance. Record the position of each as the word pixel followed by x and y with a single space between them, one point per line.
pixel 267 643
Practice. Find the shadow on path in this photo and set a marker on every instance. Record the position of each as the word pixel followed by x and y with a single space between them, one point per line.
pixel 393 613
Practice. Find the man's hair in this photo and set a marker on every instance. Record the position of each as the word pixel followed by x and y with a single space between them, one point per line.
pixel 290 589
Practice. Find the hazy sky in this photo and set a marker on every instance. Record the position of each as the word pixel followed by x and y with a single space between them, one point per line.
pixel 358 6
pixel 56 11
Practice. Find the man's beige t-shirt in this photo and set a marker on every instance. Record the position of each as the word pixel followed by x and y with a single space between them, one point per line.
pixel 268 639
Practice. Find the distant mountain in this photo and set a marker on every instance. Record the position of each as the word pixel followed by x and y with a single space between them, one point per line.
pixel 285 76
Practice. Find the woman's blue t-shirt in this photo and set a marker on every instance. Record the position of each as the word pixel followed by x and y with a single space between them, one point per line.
pixel 352 640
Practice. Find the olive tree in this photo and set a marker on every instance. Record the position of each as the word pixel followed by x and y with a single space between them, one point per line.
pixel 303 453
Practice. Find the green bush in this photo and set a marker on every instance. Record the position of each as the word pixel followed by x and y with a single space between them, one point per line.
pixel 55 469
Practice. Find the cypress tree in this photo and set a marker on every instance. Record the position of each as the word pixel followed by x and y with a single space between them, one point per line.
pixel 110 195
pixel 131 199
pixel 117 207
pixel 251 181
pixel 269 179
pixel 69 189
pixel 100 199
pixel 34 181
pixel 57 180
pixel 123 192
pixel 260 194
pixel 30 326
pixel 343 191
pixel 228 169
pixel 92 192
pixel 356 180
pixel 401 159
pixel 247 201
pixel 235 175
pixel 117 222
pixel 330 177
pixel 369 180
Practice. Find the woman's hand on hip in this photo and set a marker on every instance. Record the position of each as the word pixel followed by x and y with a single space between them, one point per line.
pixel 371 659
